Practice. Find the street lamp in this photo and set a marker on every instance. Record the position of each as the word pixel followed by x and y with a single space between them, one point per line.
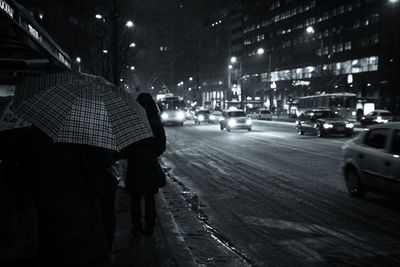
pixel 238 77
pixel 78 60
pixel 311 31
pixel 129 24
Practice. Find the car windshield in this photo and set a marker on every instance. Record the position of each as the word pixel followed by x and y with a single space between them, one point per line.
pixel 204 112
pixel 237 114
pixel 386 114
pixel 265 112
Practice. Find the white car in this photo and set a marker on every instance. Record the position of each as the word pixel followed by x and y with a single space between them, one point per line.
pixel 372 160
pixel 235 119
pixel 264 114
pixel 375 117
pixel 215 116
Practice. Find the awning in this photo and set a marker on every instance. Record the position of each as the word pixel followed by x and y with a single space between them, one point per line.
pixel 25 47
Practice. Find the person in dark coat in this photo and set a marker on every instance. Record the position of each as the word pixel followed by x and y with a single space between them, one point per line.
pixel 144 175
pixel 66 193
pixel 18 224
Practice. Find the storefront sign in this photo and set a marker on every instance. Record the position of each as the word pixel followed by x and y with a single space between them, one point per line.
pixel 34 32
pixel 7 8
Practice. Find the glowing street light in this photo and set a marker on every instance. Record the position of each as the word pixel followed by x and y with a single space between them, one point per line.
pixel 393 1
pixel 310 29
pixel 129 24
pixel 132 67
pixel 132 45
pixel 233 59
pixel 78 60
pixel 98 16
pixel 105 51
pixel 260 51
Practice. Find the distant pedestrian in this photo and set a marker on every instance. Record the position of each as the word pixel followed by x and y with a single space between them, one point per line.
pixel 144 175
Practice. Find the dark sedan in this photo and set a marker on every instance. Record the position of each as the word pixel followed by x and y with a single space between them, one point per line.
pixel 322 123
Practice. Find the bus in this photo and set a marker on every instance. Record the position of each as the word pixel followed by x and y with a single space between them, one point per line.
pixel 343 104
pixel 172 110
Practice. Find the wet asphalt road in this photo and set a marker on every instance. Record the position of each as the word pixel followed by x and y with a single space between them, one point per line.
pixel 280 198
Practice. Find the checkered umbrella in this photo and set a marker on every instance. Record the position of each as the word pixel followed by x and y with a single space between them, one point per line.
pixel 82 109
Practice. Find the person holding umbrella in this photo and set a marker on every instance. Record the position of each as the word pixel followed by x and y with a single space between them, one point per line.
pixel 80 121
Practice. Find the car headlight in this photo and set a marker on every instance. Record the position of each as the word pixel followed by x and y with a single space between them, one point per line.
pixel 248 121
pixel 212 117
pixel 232 123
pixel 379 119
pixel 349 125
pixel 180 115
pixel 164 116
pixel 353 113
pixel 363 118
pixel 201 118
pixel 327 125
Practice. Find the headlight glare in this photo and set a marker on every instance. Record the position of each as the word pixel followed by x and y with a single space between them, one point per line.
pixel 164 116
pixel 232 123
pixel 327 125
pixel 349 125
pixel 248 121
pixel 201 118
pixel 212 117
pixel 180 115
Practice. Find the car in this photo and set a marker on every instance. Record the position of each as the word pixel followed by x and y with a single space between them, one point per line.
pixel 189 113
pixel 235 119
pixel 264 114
pixel 371 161
pixel 202 115
pixel 215 116
pixel 322 123
pixel 375 117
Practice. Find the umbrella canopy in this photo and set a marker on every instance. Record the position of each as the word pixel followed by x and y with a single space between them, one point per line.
pixel 82 109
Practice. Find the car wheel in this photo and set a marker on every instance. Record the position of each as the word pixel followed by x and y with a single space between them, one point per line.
pixel 228 129
pixel 354 185
pixel 319 132
pixel 221 127
pixel 181 123
pixel 300 130
pixel 249 129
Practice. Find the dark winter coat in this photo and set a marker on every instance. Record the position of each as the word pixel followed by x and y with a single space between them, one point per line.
pixel 144 174
pixel 71 226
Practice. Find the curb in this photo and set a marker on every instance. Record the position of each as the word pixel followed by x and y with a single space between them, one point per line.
pixel 172 234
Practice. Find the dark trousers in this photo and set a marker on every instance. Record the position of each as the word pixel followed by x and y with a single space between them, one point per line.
pixel 107 203
pixel 149 209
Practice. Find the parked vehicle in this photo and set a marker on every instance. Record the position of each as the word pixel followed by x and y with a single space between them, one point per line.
pixel 235 119
pixel 375 117
pixel 202 115
pixel 371 162
pixel 322 123
pixel 264 114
